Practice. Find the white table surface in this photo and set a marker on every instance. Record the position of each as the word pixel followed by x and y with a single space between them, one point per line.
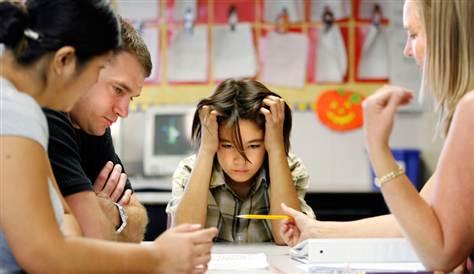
pixel 278 257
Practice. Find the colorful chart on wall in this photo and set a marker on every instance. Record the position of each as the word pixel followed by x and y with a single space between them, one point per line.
pixel 233 52
pixel 340 110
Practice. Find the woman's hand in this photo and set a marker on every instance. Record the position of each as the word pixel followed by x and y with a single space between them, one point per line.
pixel 274 119
pixel 296 229
pixel 184 249
pixel 209 130
pixel 379 112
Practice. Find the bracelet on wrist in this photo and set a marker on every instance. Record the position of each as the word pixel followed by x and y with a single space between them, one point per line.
pixel 380 181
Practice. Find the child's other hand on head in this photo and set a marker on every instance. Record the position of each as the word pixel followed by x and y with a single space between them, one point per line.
pixel 274 113
pixel 209 129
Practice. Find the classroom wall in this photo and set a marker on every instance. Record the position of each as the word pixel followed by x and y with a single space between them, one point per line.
pixel 337 162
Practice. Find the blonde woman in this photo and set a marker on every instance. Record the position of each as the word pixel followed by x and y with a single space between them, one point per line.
pixel 438 221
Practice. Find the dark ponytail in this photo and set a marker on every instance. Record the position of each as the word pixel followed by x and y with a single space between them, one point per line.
pixel 14 23
pixel 89 26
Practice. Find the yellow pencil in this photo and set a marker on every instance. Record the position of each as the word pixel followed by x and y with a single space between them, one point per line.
pixel 259 216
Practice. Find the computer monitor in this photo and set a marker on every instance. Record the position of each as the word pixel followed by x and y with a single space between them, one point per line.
pixel 167 138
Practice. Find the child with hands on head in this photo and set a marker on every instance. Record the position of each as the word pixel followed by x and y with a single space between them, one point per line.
pixel 242 166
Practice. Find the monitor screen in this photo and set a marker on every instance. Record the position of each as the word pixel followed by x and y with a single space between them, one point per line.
pixel 167 138
pixel 170 135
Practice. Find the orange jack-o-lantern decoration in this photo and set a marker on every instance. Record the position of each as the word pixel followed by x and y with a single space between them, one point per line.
pixel 340 110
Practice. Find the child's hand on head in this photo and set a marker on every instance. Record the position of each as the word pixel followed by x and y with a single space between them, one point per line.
pixel 209 129
pixel 274 112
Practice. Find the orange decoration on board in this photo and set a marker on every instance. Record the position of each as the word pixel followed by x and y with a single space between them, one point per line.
pixel 340 110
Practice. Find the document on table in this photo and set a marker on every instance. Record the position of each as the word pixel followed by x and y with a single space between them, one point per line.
pixel 354 250
pixel 251 261
pixel 364 267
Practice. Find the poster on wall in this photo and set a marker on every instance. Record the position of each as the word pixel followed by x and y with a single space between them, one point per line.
pixel 187 55
pixel 374 54
pixel 284 58
pixel 330 55
pixel 151 36
pixel 140 10
pixel 368 9
pixel 187 11
pixel 342 9
pixel 229 11
pixel 233 52
pixel 291 11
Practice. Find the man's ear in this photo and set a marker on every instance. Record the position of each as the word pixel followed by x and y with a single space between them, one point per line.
pixel 64 61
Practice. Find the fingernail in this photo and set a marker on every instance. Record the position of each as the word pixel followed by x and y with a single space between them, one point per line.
pixel 195 225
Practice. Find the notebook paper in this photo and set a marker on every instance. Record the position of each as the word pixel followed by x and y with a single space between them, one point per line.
pixel 252 261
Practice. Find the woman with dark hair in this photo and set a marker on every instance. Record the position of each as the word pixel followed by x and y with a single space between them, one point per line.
pixel 243 165
pixel 51 52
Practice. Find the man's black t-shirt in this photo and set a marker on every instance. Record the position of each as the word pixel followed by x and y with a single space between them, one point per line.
pixel 77 157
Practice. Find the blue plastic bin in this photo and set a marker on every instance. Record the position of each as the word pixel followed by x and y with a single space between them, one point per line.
pixel 408 159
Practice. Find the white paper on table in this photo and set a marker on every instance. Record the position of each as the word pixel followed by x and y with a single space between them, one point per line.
pixel 138 9
pixel 364 267
pixel 233 52
pixel 367 7
pixel 187 56
pixel 340 8
pixel 151 36
pixel 250 261
pixel 273 9
pixel 285 59
pixel 331 56
pixel 374 60
pixel 180 8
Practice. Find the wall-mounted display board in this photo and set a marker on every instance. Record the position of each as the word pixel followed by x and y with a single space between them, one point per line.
pixel 298 48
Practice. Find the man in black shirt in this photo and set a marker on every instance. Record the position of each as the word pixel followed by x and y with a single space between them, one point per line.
pixel 88 171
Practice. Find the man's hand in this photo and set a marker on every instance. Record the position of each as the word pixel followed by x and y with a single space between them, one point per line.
pixel 111 182
pixel 108 208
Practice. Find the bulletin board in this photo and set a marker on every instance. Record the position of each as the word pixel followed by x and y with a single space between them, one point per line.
pixel 298 48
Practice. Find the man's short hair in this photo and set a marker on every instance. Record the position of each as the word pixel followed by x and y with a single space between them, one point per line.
pixel 133 43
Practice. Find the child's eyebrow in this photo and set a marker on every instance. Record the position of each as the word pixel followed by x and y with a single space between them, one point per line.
pixel 259 140
pixel 255 141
